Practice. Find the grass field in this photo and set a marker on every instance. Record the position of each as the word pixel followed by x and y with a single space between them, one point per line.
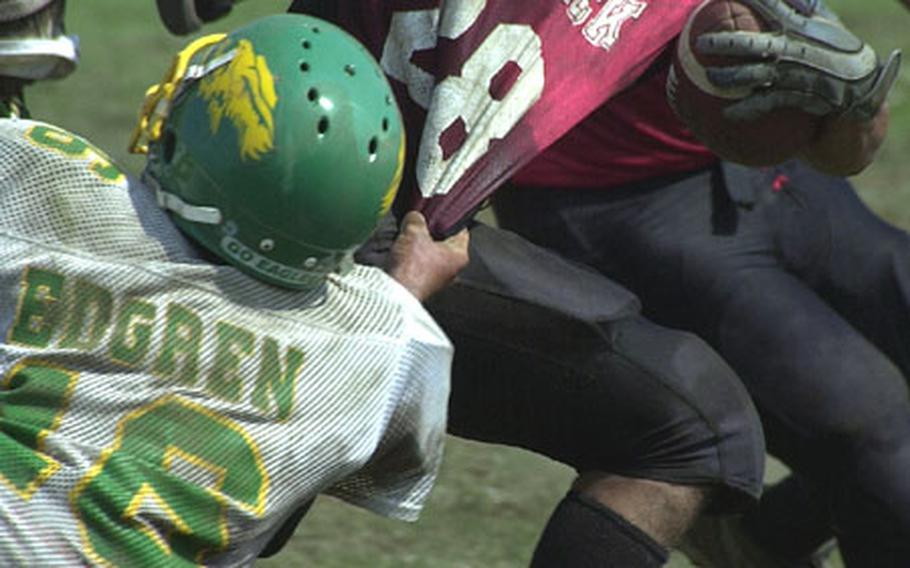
pixel 490 502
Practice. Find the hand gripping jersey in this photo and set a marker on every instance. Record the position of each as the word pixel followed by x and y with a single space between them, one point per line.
pixel 485 85
pixel 157 410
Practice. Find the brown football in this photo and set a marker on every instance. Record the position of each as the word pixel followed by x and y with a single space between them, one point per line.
pixel 771 139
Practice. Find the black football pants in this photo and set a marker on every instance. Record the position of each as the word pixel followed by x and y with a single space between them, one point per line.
pixel 553 357
pixel 800 288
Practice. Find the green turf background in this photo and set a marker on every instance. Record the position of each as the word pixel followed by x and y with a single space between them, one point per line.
pixel 490 502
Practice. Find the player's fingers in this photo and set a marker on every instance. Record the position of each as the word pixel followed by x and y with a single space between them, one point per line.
pixel 742 76
pixel 833 51
pixel 459 241
pixel 796 78
pixel 809 19
pixel 414 223
pixel 757 105
pixel 752 45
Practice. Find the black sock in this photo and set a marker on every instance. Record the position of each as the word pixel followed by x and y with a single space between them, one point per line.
pixel 582 533
pixel 790 522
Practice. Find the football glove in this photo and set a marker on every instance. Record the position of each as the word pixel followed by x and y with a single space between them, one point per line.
pixel 807 60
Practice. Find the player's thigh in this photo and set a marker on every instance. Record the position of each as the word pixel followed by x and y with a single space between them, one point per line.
pixel 616 394
pixel 822 388
pixel 856 261
pixel 835 408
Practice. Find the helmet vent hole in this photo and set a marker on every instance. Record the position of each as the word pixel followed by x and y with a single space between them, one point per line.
pixel 312 95
pixel 373 146
pixel 385 124
pixel 323 125
pixel 169 146
pixel 315 29
pixel 267 245
pixel 306 44
pixel 350 69
pixel 304 66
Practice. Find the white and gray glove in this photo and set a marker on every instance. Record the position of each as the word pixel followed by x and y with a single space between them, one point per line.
pixel 807 60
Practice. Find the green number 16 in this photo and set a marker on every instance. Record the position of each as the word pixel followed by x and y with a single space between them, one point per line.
pixel 158 495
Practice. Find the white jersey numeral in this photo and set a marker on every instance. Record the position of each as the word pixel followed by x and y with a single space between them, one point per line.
pixel 494 89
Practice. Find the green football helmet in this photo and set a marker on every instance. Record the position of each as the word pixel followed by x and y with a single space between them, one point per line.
pixel 277 147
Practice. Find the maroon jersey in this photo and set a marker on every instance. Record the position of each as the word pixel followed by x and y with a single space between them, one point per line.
pixel 486 85
pixel 634 136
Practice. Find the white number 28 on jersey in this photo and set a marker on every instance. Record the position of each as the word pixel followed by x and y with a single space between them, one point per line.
pixel 465 111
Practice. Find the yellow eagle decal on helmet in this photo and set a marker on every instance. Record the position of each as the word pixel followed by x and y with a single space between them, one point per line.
pixel 244 92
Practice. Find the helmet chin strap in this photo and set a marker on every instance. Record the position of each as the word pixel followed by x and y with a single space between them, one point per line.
pixel 36 59
pixel 158 98
pixel 192 213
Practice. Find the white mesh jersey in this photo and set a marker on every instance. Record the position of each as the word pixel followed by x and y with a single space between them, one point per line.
pixel 158 410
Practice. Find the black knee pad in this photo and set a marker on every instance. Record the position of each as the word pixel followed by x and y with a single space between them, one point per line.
pixel 703 427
